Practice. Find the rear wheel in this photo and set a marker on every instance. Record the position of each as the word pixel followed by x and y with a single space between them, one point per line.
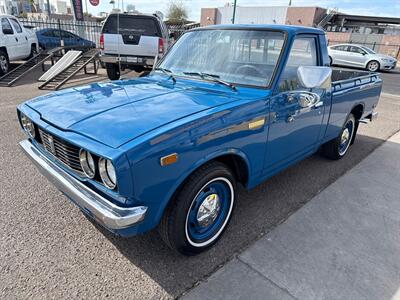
pixel 33 52
pixel 200 212
pixel 4 63
pixel 113 71
pixel 337 148
pixel 373 66
pixel 138 69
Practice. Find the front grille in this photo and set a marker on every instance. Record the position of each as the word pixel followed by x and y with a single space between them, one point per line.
pixel 66 153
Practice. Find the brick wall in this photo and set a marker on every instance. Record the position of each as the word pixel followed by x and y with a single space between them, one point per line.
pixel 208 16
pixel 338 37
pixel 304 16
pixel 390 45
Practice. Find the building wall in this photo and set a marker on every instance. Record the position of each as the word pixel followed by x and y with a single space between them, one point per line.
pixel 252 15
pixel 304 16
pixel 338 37
pixel 208 16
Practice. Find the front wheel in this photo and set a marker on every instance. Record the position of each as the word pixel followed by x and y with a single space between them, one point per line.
pixel 200 212
pixel 337 148
pixel 113 71
pixel 373 66
pixel 4 63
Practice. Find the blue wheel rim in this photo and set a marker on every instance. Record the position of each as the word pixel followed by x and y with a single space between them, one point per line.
pixel 199 233
pixel 346 140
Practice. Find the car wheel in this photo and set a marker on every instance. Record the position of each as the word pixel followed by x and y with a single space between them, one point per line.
pixel 138 69
pixel 373 66
pixel 113 71
pixel 338 147
pixel 199 213
pixel 4 63
pixel 33 52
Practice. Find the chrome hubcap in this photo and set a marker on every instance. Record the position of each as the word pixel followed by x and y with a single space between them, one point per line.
pixel 345 136
pixel 208 210
pixel 373 66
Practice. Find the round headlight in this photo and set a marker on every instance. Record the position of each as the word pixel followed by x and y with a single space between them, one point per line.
pixel 28 126
pixel 107 173
pixel 87 163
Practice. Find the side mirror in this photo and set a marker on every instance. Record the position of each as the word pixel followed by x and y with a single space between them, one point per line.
pixel 8 31
pixel 314 77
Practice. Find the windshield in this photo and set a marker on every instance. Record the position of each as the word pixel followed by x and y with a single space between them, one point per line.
pixel 370 51
pixel 247 57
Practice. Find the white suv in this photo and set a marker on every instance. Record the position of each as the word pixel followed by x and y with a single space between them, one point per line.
pixel 132 41
pixel 16 42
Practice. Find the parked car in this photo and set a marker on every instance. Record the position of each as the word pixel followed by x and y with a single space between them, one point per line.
pixel 168 149
pixel 51 38
pixel 134 44
pixel 351 55
pixel 16 42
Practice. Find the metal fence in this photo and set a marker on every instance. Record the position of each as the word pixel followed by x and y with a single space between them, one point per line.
pixel 85 29
pixel 388 49
pixel 89 30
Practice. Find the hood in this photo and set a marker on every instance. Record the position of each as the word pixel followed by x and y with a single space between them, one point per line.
pixel 115 113
pixel 383 56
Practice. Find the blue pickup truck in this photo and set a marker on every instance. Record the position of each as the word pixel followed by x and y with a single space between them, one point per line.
pixel 227 105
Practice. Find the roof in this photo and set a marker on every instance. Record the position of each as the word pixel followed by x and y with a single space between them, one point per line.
pixel 287 28
pixel 366 19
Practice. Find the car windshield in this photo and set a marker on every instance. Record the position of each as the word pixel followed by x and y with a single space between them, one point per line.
pixel 247 57
pixel 370 51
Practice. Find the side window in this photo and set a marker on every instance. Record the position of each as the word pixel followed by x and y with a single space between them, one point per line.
pixel 302 53
pixel 356 50
pixel 5 25
pixel 340 48
pixel 16 25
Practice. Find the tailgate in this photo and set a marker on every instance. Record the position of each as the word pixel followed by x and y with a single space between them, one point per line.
pixel 130 44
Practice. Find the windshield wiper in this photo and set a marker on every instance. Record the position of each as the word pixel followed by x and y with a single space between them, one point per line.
pixel 212 77
pixel 167 72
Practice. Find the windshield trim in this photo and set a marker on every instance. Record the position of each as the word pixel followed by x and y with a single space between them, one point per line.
pixel 273 75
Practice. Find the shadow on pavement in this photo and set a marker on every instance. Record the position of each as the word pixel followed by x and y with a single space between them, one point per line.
pixel 257 212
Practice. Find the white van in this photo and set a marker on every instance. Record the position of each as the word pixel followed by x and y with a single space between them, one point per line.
pixel 16 42
pixel 132 41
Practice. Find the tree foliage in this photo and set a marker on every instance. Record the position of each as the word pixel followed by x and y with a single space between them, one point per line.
pixel 176 12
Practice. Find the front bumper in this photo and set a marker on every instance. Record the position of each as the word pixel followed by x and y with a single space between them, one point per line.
pixel 106 213
pixel 388 66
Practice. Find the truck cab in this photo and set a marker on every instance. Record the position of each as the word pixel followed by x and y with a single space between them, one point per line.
pixel 16 42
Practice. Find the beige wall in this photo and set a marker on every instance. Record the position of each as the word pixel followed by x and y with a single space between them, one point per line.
pixel 385 47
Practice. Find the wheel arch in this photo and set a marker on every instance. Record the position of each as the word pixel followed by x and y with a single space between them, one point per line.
pixel 373 59
pixel 234 159
pixel 4 48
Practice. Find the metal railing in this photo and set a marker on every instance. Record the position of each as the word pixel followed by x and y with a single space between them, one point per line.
pixel 85 29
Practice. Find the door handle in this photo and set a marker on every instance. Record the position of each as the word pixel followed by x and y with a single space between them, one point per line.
pixel 16 39
pixel 26 38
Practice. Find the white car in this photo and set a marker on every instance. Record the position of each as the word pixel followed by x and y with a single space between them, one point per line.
pixel 359 56
pixel 16 42
pixel 132 41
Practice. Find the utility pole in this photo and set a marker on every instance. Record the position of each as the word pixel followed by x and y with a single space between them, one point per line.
pixel 48 8
pixel 234 12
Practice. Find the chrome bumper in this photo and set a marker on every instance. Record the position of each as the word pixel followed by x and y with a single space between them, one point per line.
pixel 129 60
pixel 107 213
pixel 371 117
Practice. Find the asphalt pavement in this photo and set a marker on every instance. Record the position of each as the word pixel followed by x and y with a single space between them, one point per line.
pixel 48 249
pixel 343 244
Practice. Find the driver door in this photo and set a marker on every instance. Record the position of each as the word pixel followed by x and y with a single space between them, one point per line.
pixel 295 127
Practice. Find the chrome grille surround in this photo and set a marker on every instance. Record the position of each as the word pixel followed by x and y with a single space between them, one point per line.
pixel 64 152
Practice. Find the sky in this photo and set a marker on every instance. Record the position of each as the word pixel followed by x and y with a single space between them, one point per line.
pixel 386 8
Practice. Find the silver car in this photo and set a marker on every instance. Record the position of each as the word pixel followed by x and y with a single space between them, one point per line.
pixel 352 55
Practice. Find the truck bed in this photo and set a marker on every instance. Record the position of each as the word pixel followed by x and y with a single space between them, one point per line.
pixel 351 90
